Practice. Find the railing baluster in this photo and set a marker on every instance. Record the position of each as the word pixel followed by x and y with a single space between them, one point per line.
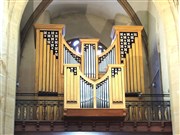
pixel 53 110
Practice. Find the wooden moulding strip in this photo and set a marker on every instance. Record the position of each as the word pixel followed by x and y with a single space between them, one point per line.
pixel 97 62
pixel 138 65
pixel 141 62
pixel 44 64
pixel 123 80
pixel 65 87
pixel 75 87
pixel 125 75
pixel 41 62
pixel 94 113
pixel 82 58
pixel 131 69
pixel 78 87
pixel 120 86
pixel 37 59
pixel 50 26
pixel 51 71
pixel 134 67
pixel 61 52
pixel 117 89
pixel 112 89
pixel 57 74
pixel 72 86
pixel 68 87
pixel 118 48
pixel 128 73
pixel 54 73
pixel 60 62
pixel 48 65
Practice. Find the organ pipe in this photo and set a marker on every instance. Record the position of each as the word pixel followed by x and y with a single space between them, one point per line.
pixel 121 65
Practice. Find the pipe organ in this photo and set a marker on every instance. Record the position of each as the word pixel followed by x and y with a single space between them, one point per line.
pixel 93 84
pixel 130 54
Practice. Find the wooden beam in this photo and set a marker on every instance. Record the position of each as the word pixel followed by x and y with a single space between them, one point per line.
pixel 35 15
pixel 95 113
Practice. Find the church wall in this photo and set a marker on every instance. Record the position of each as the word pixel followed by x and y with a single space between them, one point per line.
pixel 11 27
pixel 157 53
pixel 141 10
pixel 12 13
pixel 85 26
pixel 169 15
pixel 26 71
pixel 77 25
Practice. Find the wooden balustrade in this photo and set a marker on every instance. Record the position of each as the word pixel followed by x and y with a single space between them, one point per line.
pixel 52 110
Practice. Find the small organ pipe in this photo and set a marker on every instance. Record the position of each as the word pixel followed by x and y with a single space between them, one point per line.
pixel 89 60
pixel 93 59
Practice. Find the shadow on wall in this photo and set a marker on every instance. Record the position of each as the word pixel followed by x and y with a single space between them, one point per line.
pixel 85 26
pixel 154 56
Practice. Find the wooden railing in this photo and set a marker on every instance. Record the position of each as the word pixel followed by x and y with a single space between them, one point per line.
pixel 52 110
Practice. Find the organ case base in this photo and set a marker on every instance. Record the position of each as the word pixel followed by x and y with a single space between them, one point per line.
pixel 95 113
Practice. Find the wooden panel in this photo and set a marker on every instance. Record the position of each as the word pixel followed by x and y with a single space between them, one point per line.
pixel 120 83
pixel 41 62
pixel 60 63
pixel 44 46
pixel 37 60
pixel 54 74
pixel 57 75
pixel 48 66
pixel 141 62
pixel 128 73
pixel 95 113
pixel 134 67
pixel 51 71
pixel 138 65
pixel 131 70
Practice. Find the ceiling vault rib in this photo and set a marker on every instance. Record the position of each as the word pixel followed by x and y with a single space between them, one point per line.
pixel 129 10
pixel 34 16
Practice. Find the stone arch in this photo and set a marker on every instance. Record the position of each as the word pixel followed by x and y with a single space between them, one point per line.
pixel 14 11
pixel 168 14
pixel 12 16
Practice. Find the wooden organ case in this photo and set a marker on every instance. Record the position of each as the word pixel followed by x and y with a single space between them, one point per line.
pixel 94 85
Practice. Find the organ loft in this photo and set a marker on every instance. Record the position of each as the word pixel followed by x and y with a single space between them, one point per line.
pixel 93 84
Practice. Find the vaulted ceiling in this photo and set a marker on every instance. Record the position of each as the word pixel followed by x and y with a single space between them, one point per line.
pixel 106 9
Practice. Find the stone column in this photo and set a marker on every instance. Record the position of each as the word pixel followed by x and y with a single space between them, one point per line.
pixel 12 13
pixel 170 22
